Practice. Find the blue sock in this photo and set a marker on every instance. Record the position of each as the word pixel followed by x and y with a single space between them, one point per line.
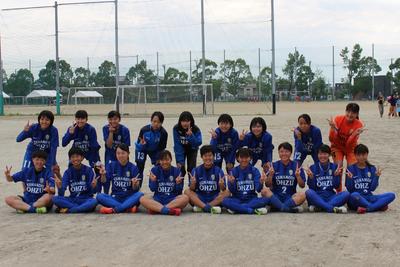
pixel 358 200
pixel 276 203
pixel 235 205
pixel 165 210
pixel 32 209
pixel 382 200
pixel 314 199
pixel 289 204
pixel 207 208
pixel 87 206
pixel 129 202
pixel 339 199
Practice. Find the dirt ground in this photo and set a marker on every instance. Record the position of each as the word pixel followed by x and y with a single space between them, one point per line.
pixel 276 239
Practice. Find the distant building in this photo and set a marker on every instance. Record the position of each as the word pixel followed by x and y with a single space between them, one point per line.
pixel 248 92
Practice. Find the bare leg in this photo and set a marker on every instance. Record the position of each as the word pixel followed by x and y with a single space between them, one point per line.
pixel 194 199
pixel 218 200
pixel 180 202
pixel 17 203
pixel 44 201
pixel 149 203
pixel 299 198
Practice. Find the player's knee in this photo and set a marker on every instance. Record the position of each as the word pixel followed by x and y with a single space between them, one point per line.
pixel 9 200
pixel 266 192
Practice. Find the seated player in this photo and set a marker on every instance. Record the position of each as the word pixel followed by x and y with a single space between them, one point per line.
pixel 362 178
pixel 166 182
pixel 125 184
pixel 282 180
pixel 80 181
pixel 207 186
pixel 244 182
pixel 38 184
pixel 323 179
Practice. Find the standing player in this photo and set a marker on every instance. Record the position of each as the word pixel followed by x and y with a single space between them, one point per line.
pixel 323 179
pixel 343 135
pixel 166 182
pixel 84 137
pixel 207 186
pixel 44 137
pixel 224 141
pixel 114 134
pixel 81 183
pixel 307 139
pixel 363 179
pixel 187 139
pixel 151 141
pixel 381 101
pixel 124 178
pixel 282 180
pixel 259 142
pixel 38 184
pixel 244 182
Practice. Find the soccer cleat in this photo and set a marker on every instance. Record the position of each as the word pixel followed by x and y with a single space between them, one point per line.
pixel 261 211
pixel 63 210
pixel 152 212
pixel 134 209
pixel 385 208
pixel 231 211
pixel 298 209
pixel 41 210
pixel 104 210
pixel 197 209
pixel 313 208
pixel 341 209
pixel 175 212
pixel 20 211
pixel 361 210
pixel 216 210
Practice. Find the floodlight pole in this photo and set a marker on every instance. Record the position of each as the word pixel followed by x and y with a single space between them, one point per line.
pixel 1 84
pixel 273 58
pixel 203 76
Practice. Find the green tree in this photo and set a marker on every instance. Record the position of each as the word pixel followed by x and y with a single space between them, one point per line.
pixel 298 73
pixel 82 77
pixel 106 74
pixel 352 62
pixel 266 82
pixel 47 76
pixel 210 71
pixel 173 75
pixel 237 74
pixel 395 77
pixel 141 73
pixel 368 65
pixel 20 83
pixel 319 86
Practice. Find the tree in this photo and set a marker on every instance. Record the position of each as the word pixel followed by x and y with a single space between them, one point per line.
pixel 20 83
pixel 47 76
pixel 319 86
pixel 395 77
pixel 210 71
pixel 368 65
pixel 106 74
pixel 173 75
pixel 237 74
pixel 298 73
pixel 351 62
pixel 82 77
pixel 266 83
pixel 141 73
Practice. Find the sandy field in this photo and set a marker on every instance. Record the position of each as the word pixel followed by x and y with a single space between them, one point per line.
pixel 277 239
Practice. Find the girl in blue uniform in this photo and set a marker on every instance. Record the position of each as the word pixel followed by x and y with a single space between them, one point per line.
pixel 259 141
pixel 362 178
pixel 124 178
pixel 151 141
pixel 282 180
pixel 187 140
pixel 207 186
pixel 38 184
pixel 80 181
pixel 44 137
pixel 307 139
pixel 244 183
pixel 224 141
pixel 166 182
pixel 84 136
pixel 114 134
pixel 323 179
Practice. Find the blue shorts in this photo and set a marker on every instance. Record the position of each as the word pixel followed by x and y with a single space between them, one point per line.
pixel 28 200
pixel 206 198
pixel 282 197
pixel 164 200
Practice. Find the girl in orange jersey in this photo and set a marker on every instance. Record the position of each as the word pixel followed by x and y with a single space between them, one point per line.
pixel 343 135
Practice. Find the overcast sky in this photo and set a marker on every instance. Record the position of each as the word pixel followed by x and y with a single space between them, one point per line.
pixel 172 27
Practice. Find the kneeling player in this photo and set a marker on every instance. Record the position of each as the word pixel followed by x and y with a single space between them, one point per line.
pixel 167 184
pixel 38 186
pixel 80 181
pixel 323 178
pixel 207 186
pixel 244 182
pixel 282 180
pixel 124 178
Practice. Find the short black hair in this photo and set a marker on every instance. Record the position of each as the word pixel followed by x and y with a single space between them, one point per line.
pixel 46 114
pixel 75 151
pixel 81 114
pixel 286 146
pixel 353 107
pixel 226 118
pixel 39 154
pixel 114 113
pixel 305 117
pixel 361 149
pixel 159 115
pixel 123 147
pixel 243 152
pixel 186 116
pixel 258 120
pixel 206 149
pixel 324 149
pixel 165 154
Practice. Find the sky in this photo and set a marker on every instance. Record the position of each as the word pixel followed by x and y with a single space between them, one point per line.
pixel 173 28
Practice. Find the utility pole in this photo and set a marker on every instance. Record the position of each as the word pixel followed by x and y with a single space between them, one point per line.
pixel 273 58
pixel 203 52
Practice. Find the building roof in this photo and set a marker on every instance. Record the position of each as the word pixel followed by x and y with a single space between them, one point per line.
pixel 42 93
pixel 86 94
